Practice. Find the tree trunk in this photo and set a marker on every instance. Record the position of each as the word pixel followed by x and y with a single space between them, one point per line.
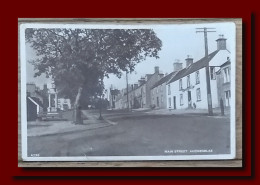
pixel 77 109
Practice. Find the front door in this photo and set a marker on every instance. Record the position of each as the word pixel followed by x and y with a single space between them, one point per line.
pixel 189 98
pixel 174 102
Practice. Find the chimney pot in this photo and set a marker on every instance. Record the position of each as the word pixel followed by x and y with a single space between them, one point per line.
pixel 189 61
pixel 156 69
pixel 177 66
pixel 221 43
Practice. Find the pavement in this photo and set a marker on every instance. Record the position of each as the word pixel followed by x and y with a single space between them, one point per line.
pixel 45 128
pixel 202 112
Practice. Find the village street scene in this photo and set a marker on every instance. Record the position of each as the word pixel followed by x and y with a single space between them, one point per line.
pixel 106 99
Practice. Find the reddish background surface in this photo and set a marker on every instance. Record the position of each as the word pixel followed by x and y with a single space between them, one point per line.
pixel 11 11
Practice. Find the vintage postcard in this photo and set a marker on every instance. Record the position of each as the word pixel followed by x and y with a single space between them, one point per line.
pixel 122 92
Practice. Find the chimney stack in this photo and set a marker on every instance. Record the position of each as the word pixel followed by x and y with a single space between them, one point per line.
pixel 141 81
pixel 221 43
pixel 156 69
pixel 177 66
pixel 189 60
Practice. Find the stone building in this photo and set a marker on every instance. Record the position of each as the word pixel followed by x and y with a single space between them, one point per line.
pixel 33 91
pixel 151 80
pixel 138 95
pixel 112 97
pixel 158 90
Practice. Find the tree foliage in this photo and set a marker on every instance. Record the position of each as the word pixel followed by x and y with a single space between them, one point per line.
pixel 81 57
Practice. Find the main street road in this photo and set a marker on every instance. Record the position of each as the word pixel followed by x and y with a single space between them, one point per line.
pixel 140 135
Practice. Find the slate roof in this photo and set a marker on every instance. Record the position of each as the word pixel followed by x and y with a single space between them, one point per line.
pixel 37 100
pixel 149 77
pixel 193 67
pixel 223 65
pixel 164 79
pixel 226 63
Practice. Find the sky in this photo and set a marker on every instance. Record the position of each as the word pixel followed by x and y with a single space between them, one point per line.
pixel 178 41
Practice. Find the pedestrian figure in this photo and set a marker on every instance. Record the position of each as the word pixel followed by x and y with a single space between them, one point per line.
pixel 222 107
pixel 194 105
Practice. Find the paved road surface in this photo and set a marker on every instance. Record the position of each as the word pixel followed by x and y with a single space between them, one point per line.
pixel 140 135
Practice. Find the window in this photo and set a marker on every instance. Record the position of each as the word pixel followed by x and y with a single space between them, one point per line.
pixel 188 81
pixel 181 99
pixel 170 101
pixel 212 73
pixel 227 97
pixel 169 89
pixel 197 74
pixel 180 84
pixel 227 94
pixel 226 74
pixel 198 94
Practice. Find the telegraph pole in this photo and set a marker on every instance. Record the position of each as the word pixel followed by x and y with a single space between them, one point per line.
pixel 205 31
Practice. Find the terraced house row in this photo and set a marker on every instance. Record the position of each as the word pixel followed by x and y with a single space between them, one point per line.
pixel 185 87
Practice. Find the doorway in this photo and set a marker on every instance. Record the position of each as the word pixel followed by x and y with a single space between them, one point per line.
pixel 174 102
pixel 189 98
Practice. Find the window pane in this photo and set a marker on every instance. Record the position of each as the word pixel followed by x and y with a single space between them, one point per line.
pixel 198 94
pixel 188 81
pixel 180 84
pixel 197 77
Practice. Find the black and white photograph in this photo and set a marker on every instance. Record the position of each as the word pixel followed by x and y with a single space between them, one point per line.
pixel 127 92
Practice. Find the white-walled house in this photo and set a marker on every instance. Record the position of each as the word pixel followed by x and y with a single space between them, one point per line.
pixel 64 104
pixel 188 88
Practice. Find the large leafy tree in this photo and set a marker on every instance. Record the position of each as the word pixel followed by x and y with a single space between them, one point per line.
pixel 81 58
